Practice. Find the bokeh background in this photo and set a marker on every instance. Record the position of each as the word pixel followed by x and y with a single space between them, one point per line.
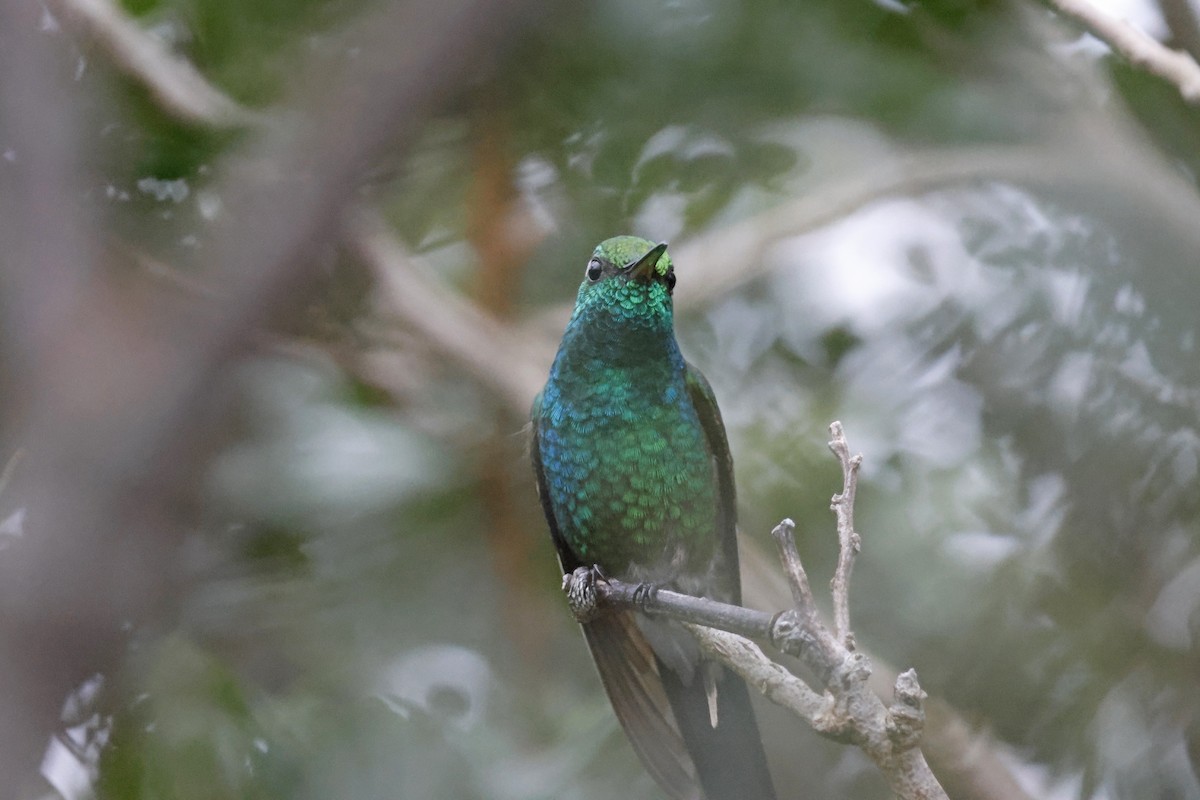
pixel 280 279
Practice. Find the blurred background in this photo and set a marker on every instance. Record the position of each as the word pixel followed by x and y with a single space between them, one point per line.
pixel 279 280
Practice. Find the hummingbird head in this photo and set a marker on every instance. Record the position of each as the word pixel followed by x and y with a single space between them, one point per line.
pixel 629 276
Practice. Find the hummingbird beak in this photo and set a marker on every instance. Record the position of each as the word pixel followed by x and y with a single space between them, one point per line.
pixel 645 266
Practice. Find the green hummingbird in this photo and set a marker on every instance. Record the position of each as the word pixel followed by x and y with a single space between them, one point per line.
pixel 635 477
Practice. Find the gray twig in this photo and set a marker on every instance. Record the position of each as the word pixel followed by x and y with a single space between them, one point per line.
pixel 771 679
pixel 802 596
pixel 848 540
pixel 587 591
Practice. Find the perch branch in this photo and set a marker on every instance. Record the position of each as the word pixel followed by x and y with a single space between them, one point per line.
pixel 591 594
pixel 848 710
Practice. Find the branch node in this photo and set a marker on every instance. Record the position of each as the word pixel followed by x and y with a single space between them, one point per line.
pixel 838 443
pixel 856 669
pixel 790 635
pixel 906 715
pixel 834 724
pixel 784 530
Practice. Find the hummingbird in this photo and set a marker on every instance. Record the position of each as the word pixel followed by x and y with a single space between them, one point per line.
pixel 635 477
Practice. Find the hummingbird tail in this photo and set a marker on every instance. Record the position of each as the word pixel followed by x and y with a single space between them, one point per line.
pixel 630 671
pixel 729 756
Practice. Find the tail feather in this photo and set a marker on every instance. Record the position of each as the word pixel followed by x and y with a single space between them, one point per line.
pixel 728 758
pixel 630 671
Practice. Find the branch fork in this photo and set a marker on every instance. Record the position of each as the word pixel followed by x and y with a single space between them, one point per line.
pixel 845 709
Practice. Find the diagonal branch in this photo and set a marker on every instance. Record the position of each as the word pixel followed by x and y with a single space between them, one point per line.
pixel 178 86
pixel 772 680
pixel 497 355
pixel 1136 46
pixel 802 595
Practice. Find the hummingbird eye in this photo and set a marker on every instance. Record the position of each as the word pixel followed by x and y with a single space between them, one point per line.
pixel 593 270
pixel 670 281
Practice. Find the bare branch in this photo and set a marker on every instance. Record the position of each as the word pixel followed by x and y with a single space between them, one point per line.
pixel 1137 47
pixel 802 596
pixel 498 356
pixel 591 594
pixel 178 87
pixel 772 680
pixel 848 712
pixel 848 540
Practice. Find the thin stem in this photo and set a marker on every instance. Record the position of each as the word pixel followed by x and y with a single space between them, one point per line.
pixel 772 680
pixel 686 608
pixel 848 540
pixel 802 596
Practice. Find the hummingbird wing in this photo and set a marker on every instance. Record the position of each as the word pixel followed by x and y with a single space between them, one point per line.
pixel 705 403
pixel 729 754
pixel 629 672
pixel 632 679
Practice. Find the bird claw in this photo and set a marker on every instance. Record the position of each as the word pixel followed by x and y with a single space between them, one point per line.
pixel 644 594
pixel 580 586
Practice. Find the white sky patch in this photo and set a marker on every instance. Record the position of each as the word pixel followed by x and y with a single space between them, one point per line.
pixel 63 771
pixel 874 272
pixel 175 190
pixel 891 260
pixel 417 678
pixel 980 551
pixel 1042 782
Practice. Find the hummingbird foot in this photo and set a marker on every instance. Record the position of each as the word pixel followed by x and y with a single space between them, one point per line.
pixel 644 594
pixel 580 586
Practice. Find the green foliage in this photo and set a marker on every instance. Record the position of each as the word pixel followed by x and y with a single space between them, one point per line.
pixel 1017 362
